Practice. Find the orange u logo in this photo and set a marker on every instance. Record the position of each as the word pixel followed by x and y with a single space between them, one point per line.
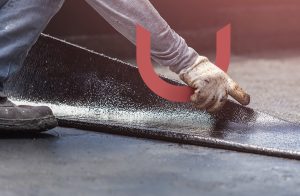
pixel 160 87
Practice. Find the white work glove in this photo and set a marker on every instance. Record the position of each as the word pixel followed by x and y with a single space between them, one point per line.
pixel 212 86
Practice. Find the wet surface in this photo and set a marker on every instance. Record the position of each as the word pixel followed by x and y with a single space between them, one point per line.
pixel 75 162
pixel 91 91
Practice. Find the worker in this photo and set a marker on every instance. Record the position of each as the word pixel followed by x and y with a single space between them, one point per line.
pixel 22 21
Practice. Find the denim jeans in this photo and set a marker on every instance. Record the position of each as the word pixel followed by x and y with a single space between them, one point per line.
pixel 22 21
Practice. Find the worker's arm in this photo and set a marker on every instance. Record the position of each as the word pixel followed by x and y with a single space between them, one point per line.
pixel 211 84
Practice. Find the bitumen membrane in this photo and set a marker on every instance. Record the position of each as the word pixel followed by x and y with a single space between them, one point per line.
pixel 98 94
pixel 91 91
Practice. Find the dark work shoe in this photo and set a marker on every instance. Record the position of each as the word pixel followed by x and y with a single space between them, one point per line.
pixel 25 118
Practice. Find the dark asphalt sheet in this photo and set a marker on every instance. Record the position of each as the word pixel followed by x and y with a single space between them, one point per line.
pixel 92 91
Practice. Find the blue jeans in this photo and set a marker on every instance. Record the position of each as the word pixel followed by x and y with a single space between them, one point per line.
pixel 22 21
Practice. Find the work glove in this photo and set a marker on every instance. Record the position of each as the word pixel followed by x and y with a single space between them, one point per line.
pixel 212 86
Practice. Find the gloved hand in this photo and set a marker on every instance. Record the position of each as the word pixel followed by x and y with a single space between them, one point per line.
pixel 212 86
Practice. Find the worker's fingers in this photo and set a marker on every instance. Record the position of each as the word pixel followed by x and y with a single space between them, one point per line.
pixel 198 97
pixel 238 93
pixel 202 91
pixel 218 104
pixel 209 101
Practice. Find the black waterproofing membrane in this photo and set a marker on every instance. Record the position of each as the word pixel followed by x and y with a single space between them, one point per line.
pixel 91 91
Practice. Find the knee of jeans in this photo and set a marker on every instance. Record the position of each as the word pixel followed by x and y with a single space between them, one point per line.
pixel 50 4
pixel 2 2
pixel 45 8
pixel 56 4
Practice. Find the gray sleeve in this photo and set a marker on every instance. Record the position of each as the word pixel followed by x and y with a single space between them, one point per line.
pixel 168 48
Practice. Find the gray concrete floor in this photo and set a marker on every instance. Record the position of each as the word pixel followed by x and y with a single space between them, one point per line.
pixel 74 162
pixel 273 84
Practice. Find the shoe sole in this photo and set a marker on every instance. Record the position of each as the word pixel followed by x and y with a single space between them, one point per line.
pixel 28 125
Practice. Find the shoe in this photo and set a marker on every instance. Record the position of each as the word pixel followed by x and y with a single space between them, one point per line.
pixel 25 118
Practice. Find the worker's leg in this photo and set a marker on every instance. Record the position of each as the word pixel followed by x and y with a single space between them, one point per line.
pixel 168 48
pixel 21 22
